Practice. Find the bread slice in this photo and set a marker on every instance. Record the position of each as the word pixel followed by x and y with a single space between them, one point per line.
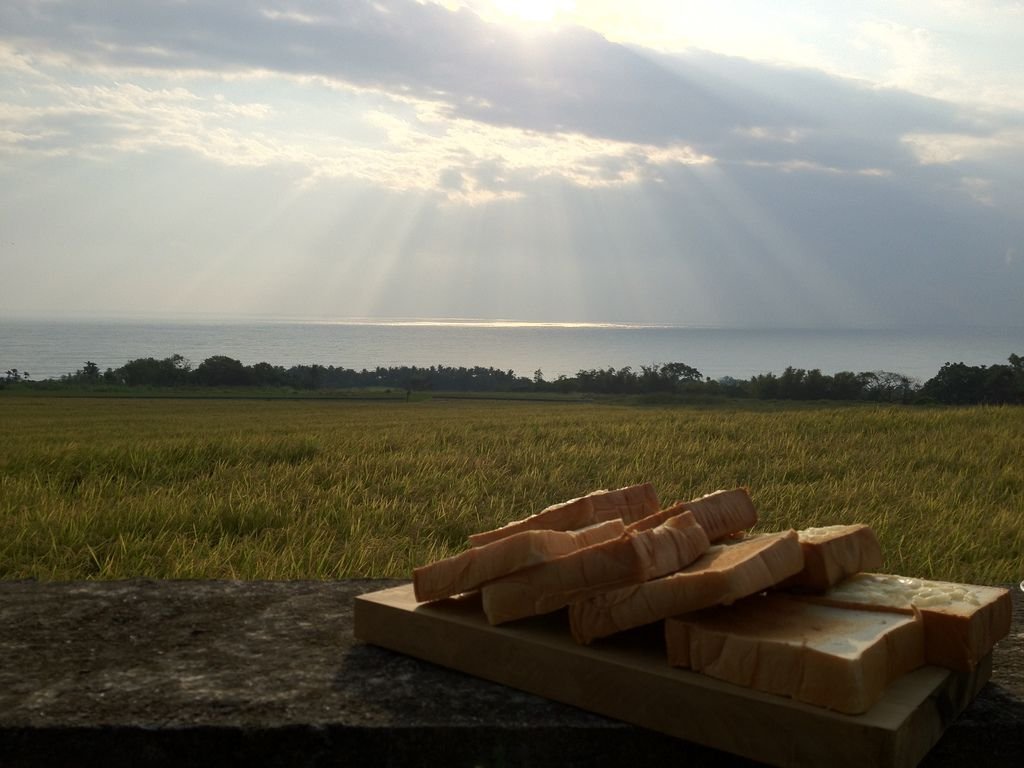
pixel 721 514
pixel 833 553
pixel 724 513
pixel 831 657
pixel 657 518
pixel 629 559
pixel 468 570
pixel 721 575
pixel 627 504
pixel 962 622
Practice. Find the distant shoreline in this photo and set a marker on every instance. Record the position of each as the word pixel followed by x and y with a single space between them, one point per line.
pixel 953 384
pixel 51 348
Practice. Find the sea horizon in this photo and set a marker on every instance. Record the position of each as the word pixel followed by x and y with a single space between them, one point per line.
pixel 243 318
pixel 49 346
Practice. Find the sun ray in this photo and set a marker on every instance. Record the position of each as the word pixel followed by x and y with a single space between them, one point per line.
pixel 536 12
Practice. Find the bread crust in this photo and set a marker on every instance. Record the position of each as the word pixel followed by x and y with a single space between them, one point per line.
pixel 634 557
pixel 722 575
pixel 467 570
pixel 627 504
pixel 834 553
pixel 724 513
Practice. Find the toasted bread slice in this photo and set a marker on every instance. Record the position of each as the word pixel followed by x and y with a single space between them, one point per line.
pixel 627 504
pixel 833 553
pixel 629 559
pixel 962 622
pixel 720 576
pixel 836 658
pixel 467 570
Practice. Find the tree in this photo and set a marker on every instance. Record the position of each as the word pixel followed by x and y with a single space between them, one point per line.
pixel 670 377
pixel 791 383
pixel 307 376
pixel 147 371
pixel 564 384
pixel 846 385
pixel 222 371
pixel 1017 371
pixel 961 384
pixel 957 384
pixel 1004 383
pixel 679 372
pixel 267 375
pixel 887 386
pixel 765 386
pixel 733 387
pixel 816 385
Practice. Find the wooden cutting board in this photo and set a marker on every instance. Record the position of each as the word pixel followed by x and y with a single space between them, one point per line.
pixel 627 677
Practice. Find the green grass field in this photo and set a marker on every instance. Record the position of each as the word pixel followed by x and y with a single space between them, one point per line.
pixel 120 488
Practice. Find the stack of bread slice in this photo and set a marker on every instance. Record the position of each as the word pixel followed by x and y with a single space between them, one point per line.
pixel 831 657
pixel 584 547
pixel 557 531
pixel 961 622
pixel 794 613
pixel 842 648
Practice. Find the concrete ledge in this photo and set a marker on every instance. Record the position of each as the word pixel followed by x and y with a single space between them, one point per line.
pixel 190 673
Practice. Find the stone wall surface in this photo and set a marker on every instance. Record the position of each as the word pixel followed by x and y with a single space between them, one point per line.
pixel 190 673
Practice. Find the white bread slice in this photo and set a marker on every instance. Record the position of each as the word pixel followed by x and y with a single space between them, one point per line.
pixel 721 514
pixel 724 513
pixel 632 558
pixel 831 657
pixel 627 504
pixel 720 576
pixel 962 622
pixel 833 553
pixel 467 570
pixel 657 518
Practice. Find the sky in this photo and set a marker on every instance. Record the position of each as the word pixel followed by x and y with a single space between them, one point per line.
pixel 742 164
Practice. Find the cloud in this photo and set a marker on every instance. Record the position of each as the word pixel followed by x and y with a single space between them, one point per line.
pixel 943 148
pixel 425 91
pixel 409 143
pixel 568 80
pixel 325 154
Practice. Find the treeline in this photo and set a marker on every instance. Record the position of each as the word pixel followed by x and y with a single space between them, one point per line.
pixel 222 371
pixel 955 383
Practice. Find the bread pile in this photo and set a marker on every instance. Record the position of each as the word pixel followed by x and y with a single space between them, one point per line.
pixel 796 613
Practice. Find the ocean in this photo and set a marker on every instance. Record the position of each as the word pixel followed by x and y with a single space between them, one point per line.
pixel 49 348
